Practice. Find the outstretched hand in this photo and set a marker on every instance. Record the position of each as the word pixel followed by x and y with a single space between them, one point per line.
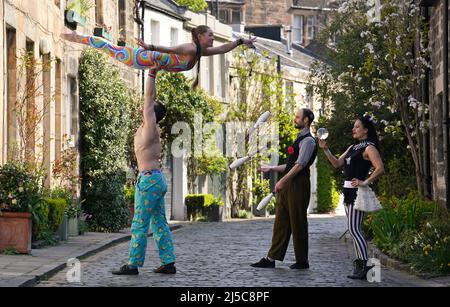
pixel 143 44
pixel 249 42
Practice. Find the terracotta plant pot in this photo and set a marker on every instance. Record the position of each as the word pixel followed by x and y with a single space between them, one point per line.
pixel 15 231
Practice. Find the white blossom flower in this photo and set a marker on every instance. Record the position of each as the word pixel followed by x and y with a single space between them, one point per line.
pixel 370 47
pixel 412 102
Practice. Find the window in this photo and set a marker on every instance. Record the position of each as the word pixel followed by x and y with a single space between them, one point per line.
pixel 311 26
pixel 122 19
pixel 296 2
pixel 11 76
pixel 154 32
pixel 173 36
pixel 236 17
pixel 298 29
pixel 30 103
pixel 71 110
pixel 440 129
pixel 99 12
pixel 223 16
pixel 58 111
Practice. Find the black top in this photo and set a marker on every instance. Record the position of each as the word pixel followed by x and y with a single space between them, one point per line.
pixel 355 166
pixel 292 158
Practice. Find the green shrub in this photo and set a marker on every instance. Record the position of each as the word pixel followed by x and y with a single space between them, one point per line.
pixel 199 200
pixel 40 220
pixel 106 203
pixel 396 217
pixel 261 188
pixel 20 187
pixel 56 210
pixel 327 194
pixel 129 193
pixel 243 214
pixel 105 124
pixel 430 248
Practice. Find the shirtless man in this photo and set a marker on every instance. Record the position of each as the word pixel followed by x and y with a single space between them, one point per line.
pixel 150 190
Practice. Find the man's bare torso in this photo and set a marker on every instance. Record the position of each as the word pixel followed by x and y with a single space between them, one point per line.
pixel 147 147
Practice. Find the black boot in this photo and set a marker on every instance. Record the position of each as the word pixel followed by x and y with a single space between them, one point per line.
pixel 126 270
pixel 359 269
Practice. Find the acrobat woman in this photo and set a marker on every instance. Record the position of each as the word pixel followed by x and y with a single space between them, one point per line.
pixel 178 58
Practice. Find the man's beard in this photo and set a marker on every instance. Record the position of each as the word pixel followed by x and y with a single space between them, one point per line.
pixel 299 126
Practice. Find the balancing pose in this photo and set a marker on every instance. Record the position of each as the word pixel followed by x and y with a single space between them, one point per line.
pixel 293 194
pixel 150 190
pixel 356 162
pixel 178 58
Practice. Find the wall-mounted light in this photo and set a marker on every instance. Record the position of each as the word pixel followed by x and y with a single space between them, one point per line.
pixel 45 45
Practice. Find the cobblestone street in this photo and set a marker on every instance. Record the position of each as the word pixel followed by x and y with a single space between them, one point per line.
pixel 220 254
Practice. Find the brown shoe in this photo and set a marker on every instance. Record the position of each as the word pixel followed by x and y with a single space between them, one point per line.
pixel 166 269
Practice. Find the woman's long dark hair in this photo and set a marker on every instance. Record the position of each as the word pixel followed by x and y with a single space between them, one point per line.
pixel 195 33
pixel 372 135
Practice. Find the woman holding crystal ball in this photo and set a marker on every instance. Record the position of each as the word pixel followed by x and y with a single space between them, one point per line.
pixel 356 162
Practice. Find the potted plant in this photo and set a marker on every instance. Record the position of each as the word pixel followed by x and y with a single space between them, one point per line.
pixel 20 198
pixel 76 12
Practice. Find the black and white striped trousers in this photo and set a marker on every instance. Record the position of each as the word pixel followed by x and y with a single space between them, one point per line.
pixel 354 221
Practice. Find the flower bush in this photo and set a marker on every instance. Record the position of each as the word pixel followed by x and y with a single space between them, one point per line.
pixel 20 187
pixel 430 249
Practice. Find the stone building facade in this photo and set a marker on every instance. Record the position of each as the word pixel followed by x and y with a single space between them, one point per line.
pixel 438 93
pixel 35 27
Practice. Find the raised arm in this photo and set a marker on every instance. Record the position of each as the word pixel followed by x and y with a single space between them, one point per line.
pixel 224 48
pixel 337 163
pixel 149 102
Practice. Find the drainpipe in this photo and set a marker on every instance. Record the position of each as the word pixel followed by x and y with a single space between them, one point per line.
pixel 445 101
pixel 139 18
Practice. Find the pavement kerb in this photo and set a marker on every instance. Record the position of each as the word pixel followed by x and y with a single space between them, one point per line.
pixel 58 267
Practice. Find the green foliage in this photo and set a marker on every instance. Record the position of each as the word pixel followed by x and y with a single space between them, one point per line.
pixel 327 193
pixel 377 68
pixel 40 220
pixel 212 165
pixel 82 7
pixel 261 188
pixel 200 200
pixel 398 179
pixel 56 209
pixel 396 217
pixel 20 187
pixel 10 251
pixel 258 87
pixel 107 205
pixel 105 111
pixel 194 109
pixel 182 103
pixel 243 214
pixel 194 5
pixel 429 250
pixel 129 193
